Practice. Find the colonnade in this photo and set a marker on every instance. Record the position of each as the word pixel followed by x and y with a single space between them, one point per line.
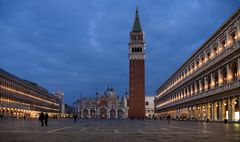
pixel 218 110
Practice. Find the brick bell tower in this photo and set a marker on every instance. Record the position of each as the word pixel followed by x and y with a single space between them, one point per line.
pixel 136 71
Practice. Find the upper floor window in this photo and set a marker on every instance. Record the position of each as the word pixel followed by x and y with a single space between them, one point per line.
pixel 147 103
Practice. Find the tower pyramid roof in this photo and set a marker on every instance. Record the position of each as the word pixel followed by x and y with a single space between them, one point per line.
pixel 137 25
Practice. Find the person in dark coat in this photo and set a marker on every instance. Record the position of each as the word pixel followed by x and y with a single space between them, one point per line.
pixel 169 118
pixel 1 116
pixel 46 119
pixel 41 118
pixel 75 118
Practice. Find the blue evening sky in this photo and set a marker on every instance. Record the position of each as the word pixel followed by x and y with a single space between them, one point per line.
pixel 81 45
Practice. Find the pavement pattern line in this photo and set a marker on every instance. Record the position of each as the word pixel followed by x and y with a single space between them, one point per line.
pixel 168 127
pixel 141 131
pixel 84 129
pixel 97 133
pixel 203 131
pixel 63 128
pixel 116 131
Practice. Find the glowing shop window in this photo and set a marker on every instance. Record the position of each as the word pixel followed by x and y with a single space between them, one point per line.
pixel 236 116
pixel 226 114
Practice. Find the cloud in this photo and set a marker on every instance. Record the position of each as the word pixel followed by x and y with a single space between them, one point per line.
pixel 79 46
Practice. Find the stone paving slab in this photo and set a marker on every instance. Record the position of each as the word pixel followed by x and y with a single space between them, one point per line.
pixel 116 131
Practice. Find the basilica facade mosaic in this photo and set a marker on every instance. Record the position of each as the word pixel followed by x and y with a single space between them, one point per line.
pixel 107 105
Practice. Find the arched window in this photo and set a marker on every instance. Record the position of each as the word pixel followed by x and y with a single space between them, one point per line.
pixel 147 103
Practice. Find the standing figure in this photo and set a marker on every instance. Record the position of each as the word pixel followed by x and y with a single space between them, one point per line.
pixel 41 118
pixel 46 119
pixel 75 118
pixel 1 116
pixel 169 118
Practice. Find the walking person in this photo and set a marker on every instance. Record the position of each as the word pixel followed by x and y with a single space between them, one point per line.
pixel 169 118
pixel 75 118
pixel 46 119
pixel 1 116
pixel 41 118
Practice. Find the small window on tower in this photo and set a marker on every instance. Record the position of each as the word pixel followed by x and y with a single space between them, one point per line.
pixel 132 49
pixel 137 49
pixel 147 103
pixel 136 37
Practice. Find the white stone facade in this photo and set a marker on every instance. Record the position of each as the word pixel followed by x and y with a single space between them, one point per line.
pixel 60 96
pixel 105 106
pixel 149 106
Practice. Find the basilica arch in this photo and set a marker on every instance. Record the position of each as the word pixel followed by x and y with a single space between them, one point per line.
pixel 85 113
pixel 120 113
pixel 103 113
pixel 102 103
pixel 112 114
pixel 92 113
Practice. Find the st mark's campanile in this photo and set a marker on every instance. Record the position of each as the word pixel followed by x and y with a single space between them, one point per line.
pixel 136 71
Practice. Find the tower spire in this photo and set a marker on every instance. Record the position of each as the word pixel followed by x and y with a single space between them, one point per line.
pixel 137 25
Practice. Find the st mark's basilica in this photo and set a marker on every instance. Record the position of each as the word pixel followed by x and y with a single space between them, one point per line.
pixel 107 105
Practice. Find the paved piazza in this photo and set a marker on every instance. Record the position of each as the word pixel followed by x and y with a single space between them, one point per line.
pixel 116 130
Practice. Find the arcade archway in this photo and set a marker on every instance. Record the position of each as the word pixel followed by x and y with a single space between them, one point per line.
pixel 85 113
pixel 103 113
pixel 120 113
pixel 112 114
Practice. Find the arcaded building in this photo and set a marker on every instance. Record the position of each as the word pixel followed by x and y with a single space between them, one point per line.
pixel 19 97
pixel 104 106
pixel 207 85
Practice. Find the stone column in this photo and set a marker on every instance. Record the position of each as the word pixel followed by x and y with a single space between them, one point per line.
pixel 212 81
pixel 220 110
pixel 229 74
pixel 220 78
pixel 238 66
pixel 180 94
pixel 238 30
pixel 205 58
pixel 205 83
pixel 212 52
pixel 200 112
pixel 200 85
pixel 239 107
pixel 116 114
pixel 220 46
pixel 233 110
pixel 108 113
pixel 229 109
pixel 228 39
pixel 196 112
pixel 208 110
pixel 184 93
pixel 195 88
pixel 215 105
pixel 212 111
pixel 223 110
pixel 89 115
pixel 191 90
pixel 187 91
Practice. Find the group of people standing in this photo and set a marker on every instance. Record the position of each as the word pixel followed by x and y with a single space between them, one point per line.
pixel 43 119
